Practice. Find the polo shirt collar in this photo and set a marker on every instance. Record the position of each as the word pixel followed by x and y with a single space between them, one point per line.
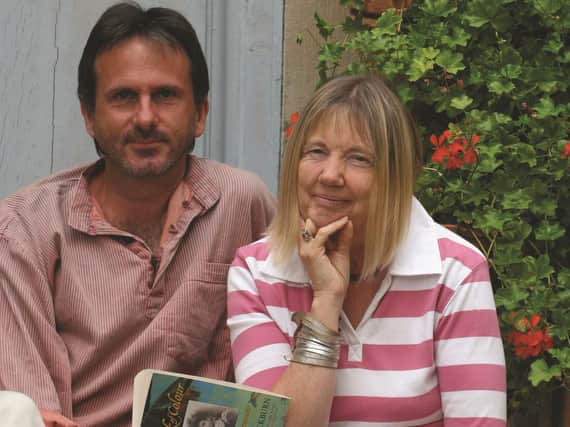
pixel 417 255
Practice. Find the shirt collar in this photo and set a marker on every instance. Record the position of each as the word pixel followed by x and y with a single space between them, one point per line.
pixel 418 254
pixel 202 187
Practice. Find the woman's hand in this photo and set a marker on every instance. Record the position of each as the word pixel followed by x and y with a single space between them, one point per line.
pixel 326 257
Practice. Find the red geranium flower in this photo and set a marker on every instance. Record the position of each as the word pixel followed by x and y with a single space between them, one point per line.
pixel 454 163
pixel 292 120
pixel 440 155
pixel 532 341
pixel 566 151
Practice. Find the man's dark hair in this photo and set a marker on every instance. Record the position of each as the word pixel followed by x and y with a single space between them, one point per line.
pixel 126 20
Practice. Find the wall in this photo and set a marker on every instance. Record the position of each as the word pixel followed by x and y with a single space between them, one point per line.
pixel 41 129
pixel 299 61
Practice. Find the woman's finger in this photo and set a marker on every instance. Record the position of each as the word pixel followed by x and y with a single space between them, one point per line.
pixel 324 233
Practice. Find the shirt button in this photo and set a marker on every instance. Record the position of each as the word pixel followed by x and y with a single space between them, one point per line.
pixel 172 229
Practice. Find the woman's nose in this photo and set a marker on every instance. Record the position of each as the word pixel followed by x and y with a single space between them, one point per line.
pixel 332 172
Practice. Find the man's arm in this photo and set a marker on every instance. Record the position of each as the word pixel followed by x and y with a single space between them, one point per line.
pixel 33 357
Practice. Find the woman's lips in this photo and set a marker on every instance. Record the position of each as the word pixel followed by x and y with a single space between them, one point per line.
pixel 330 201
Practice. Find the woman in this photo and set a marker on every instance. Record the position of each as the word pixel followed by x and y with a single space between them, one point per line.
pixel 395 323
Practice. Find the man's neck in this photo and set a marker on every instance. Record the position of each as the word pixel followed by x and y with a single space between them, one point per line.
pixel 137 205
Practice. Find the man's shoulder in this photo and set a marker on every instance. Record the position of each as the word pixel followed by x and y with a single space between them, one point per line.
pixel 40 198
pixel 229 179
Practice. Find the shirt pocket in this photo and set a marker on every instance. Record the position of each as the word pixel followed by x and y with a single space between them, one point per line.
pixel 197 310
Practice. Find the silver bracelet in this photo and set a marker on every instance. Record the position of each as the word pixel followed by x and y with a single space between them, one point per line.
pixel 315 343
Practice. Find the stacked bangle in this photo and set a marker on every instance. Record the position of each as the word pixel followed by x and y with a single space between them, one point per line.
pixel 315 343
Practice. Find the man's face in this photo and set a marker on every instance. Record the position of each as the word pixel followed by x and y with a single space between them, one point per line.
pixel 144 118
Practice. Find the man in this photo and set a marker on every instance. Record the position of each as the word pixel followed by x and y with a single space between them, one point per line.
pixel 121 265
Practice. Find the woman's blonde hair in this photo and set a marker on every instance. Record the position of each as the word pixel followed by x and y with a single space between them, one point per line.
pixel 375 114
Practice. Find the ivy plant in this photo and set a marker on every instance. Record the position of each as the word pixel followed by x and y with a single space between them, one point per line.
pixel 487 82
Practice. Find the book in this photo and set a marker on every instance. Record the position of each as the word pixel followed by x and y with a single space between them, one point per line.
pixel 169 399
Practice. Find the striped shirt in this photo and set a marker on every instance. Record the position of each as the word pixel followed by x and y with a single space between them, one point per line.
pixel 85 306
pixel 427 352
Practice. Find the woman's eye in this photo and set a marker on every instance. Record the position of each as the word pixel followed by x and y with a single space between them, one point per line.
pixel 361 160
pixel 315 152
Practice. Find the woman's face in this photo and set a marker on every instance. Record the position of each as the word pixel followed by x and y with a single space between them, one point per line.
pixel 336 174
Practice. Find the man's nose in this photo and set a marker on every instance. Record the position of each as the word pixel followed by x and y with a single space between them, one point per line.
pixel 146 116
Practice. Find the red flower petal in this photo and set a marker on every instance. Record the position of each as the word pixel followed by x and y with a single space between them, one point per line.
pixel 294 117
pixel 445 135
pixel 566 151
pixel 288 131
pixel 535 320
pixel 440 155
pixel 470 156
pixel 474 139
pixel 456 147
pixel 453 163
pixel 433 140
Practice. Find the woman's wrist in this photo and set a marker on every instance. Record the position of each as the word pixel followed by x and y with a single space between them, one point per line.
pixel 326 309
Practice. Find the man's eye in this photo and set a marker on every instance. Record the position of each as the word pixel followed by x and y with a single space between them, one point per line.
pixel 165 94
pixel 124 95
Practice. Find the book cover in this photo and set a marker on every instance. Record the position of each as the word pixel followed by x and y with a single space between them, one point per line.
pixel 168 399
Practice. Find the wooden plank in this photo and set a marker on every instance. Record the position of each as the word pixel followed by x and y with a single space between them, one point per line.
pixel 26 90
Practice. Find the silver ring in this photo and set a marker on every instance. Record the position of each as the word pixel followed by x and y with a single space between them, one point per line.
pixel 306 235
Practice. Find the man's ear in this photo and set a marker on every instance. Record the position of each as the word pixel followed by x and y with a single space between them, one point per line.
pixel 201 116
pixel 87 114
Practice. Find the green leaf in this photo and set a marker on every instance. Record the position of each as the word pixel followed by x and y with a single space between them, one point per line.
pixel 510 297
pixel 492 220
pixel 419 67
pixel 461 102
pixel 459 37
pixel 563 356
pixel 546 108
pixel 511 71
pixel 325 29
pixel 547 7
pixel 429 52
pixel 331 52
pixel 441 8
pixel 507 255
pixel 480 12
pixel 524 153
pixel 564 278
pixel 450 61
pixel 299 38
pixel 541 372
pixel 540 266
pixel 518 199
pixel 548 86
pixel 388 22
pixel 548 231
pixel 489 152
pixel 501 87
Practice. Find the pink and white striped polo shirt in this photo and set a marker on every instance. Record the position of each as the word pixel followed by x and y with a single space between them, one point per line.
pixel 427 352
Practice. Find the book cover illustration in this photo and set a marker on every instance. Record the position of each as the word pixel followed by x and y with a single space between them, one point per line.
pixel 173 400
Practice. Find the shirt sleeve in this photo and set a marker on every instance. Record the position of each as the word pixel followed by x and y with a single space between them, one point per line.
pixel 260 348
pixel 469 355
pixel 33 357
